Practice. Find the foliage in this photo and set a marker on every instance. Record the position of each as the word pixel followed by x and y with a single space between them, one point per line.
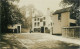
pixel 71 2
pixel 27 11
pixel 10 14
pixel 75 8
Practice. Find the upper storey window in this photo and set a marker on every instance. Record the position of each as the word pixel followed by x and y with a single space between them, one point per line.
pixel 35 19
pixel 44 18
pixel 59 16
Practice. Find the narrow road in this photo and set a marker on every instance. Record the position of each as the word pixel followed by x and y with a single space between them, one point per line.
pixel 43 41
pixel 9 41
pixel 33 41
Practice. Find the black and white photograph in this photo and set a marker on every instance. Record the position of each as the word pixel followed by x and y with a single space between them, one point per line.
pixel 39 24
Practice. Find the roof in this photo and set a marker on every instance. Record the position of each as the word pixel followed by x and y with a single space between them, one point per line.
pixel 36 16
pixel 62 10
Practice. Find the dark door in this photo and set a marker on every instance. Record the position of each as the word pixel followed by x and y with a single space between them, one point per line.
pixel 15 30
pixel 42 29
pixel 18 27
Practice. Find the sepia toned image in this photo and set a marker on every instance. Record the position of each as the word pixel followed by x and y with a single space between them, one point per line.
pixel 39 24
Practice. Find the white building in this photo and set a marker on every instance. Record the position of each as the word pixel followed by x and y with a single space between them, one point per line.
pixel 41 24
pixel 16 28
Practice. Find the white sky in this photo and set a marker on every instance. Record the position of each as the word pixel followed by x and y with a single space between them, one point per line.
pixel 42 5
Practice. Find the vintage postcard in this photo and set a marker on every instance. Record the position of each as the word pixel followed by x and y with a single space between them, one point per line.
pixel 39 24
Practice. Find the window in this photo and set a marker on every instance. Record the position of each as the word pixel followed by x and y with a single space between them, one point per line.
pixel 44 18
pixel 38 23
pixel 73 15
pixel 38 19
pixel 35 19
pixel 51 24
pixel 41 20
pixel 37 29
pixel 35 24
pixel 44 23
pixel 72 24
pixel 59 16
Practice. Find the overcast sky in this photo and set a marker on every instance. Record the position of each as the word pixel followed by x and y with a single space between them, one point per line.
pixel 42 5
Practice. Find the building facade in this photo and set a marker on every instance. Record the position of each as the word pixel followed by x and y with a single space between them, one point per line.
pixel 39 24
pixel 63 18
pixel 16 28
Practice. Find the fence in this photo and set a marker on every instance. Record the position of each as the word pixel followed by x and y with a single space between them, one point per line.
pixel 73 32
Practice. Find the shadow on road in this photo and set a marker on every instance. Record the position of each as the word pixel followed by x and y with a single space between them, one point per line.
pixel 10 42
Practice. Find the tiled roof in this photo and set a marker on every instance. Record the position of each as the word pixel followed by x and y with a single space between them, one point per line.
pixel 37 16
pixel 62 10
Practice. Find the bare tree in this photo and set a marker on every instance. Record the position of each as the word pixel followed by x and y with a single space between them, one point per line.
pixel 27 11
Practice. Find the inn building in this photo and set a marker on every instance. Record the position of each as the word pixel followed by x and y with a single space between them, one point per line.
pixel 40 24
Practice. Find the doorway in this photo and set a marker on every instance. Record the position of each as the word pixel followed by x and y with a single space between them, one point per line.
pixel 18 29
pixel 42 29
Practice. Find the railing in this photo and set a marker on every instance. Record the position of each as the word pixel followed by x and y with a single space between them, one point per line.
pixel 73 32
